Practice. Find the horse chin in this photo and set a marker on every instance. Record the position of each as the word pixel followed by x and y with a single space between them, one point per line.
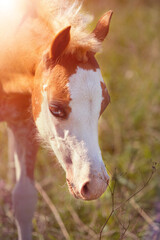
pixel 72 190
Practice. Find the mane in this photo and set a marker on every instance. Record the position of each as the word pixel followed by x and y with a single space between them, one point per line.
pixel 58 14
pixel 33 28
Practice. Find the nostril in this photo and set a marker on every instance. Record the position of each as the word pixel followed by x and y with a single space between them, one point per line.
pixel 85 189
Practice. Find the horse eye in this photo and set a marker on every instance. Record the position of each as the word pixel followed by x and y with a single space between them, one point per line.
pixel 57 111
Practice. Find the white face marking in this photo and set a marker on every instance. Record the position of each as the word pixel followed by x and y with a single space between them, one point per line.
pixel 86 95
pixel 76 138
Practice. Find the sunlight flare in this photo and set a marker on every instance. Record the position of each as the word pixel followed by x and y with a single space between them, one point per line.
pixel 7 7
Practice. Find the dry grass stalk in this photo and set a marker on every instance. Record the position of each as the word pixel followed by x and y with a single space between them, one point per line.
pixel 114 209
pixel 53 209
pixel 84 227
pixel 143 214
pixel 131 235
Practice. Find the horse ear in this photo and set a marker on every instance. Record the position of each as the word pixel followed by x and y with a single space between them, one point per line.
pixel 60 43
pixel 102 28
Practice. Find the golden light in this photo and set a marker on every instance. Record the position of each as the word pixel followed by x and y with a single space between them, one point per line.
pixel 7 7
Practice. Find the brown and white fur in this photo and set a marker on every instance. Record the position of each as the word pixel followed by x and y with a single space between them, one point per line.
pixel 51 81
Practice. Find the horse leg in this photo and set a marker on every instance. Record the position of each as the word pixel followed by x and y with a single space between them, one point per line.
pixel 11 166
pixel 24 193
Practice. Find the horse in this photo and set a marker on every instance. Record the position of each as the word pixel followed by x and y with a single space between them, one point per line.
pixel 51 87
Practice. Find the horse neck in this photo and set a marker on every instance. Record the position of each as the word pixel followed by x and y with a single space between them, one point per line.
pixel 32 40
pixel 23 54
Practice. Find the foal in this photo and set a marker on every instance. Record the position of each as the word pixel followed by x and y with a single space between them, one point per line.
pixel 48 65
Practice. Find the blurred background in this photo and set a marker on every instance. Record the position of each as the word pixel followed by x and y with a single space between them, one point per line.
pixel 129 137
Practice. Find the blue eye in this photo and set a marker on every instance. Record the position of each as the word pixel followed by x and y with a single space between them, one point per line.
pixel 57 111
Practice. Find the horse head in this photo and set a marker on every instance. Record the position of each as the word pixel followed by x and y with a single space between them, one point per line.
pixel 69 96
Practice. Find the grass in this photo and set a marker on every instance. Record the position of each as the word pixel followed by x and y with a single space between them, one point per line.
pixel 129 138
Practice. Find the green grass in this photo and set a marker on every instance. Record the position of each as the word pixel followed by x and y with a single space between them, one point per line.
pixel 129 136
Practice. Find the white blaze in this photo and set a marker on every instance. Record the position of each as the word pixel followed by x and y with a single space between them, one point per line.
pixel 77 136
pixel 86 94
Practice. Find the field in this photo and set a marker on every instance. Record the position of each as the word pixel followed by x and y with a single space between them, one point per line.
pixel 129 137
